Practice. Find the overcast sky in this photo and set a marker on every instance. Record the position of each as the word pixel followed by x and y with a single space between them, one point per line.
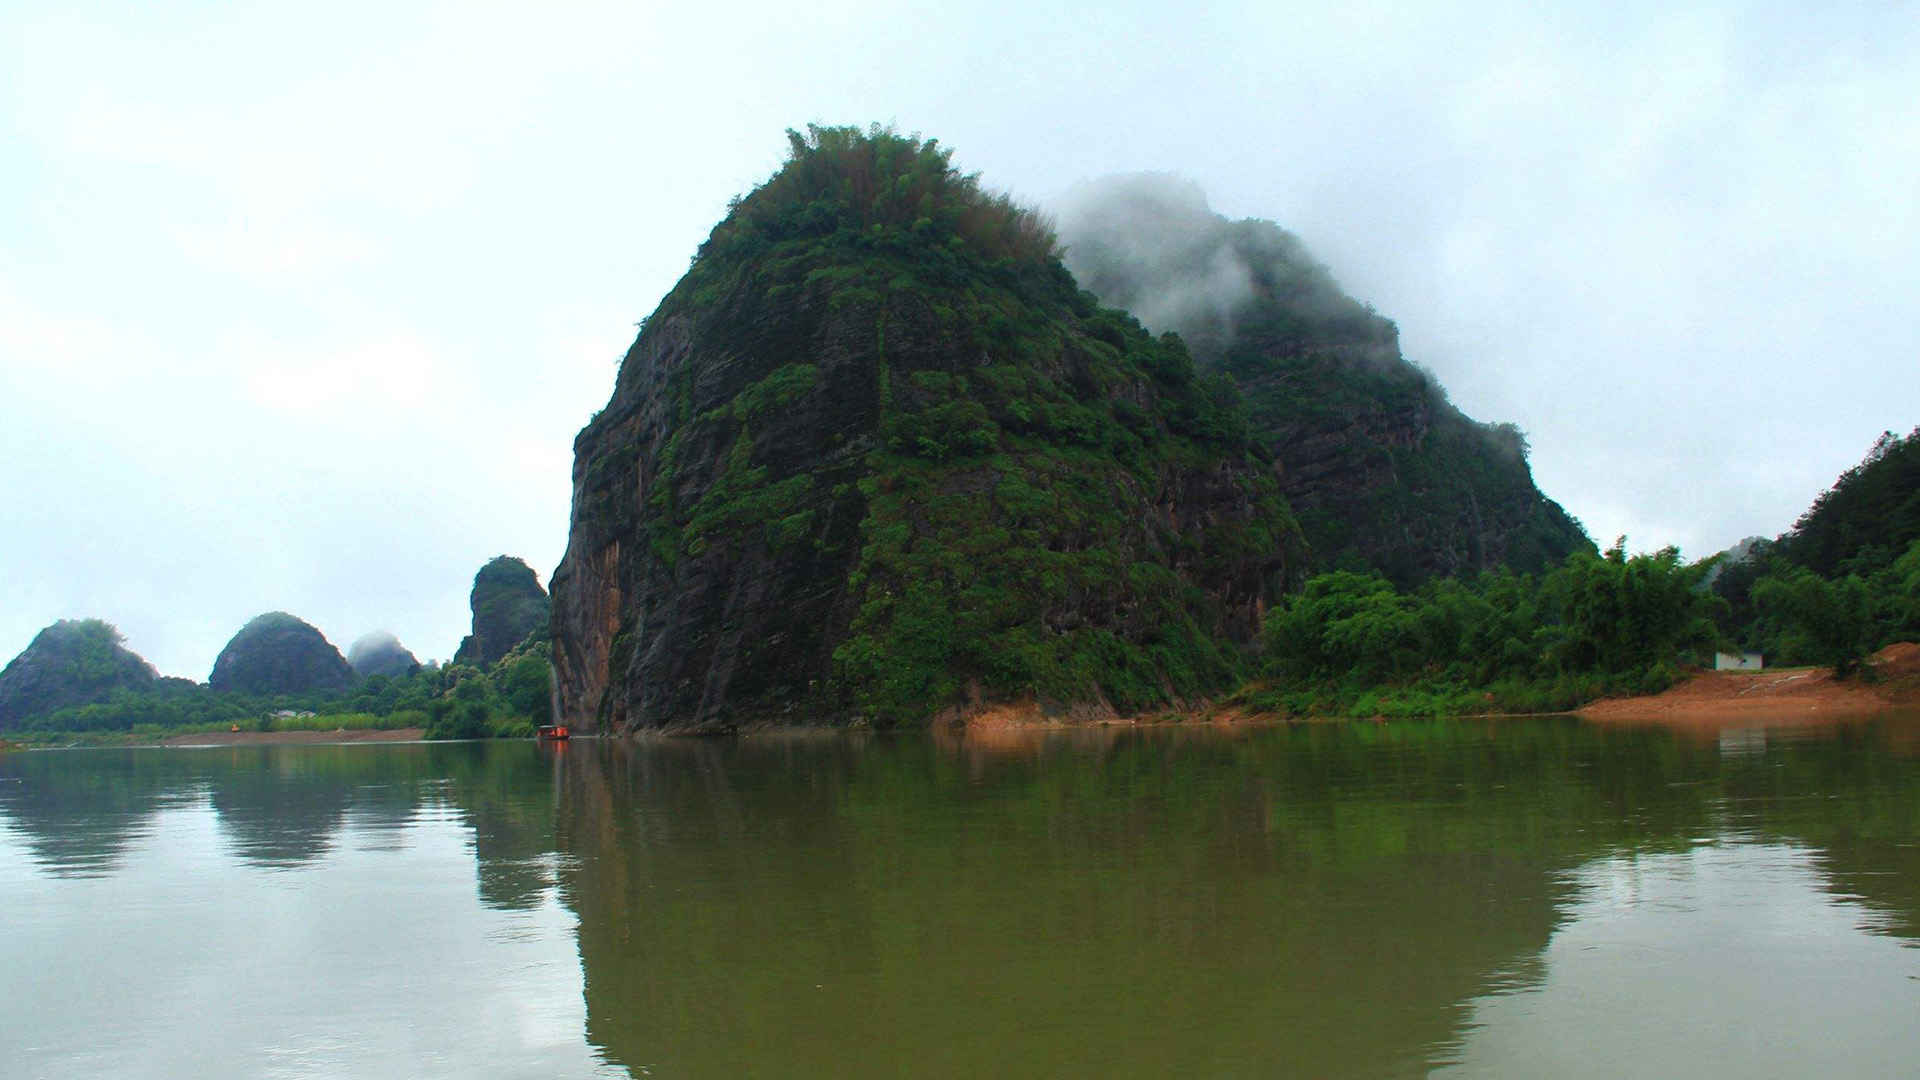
pixel 301 309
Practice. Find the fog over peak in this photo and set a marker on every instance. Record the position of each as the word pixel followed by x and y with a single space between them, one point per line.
pixel 379 652
pixel 1150 243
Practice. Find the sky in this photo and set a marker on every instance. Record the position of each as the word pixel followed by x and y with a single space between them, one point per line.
pixel 302 305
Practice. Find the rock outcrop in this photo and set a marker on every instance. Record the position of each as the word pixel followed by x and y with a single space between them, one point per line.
pixel 277 653
pixel 1382 471
pixel 380 653
pixel 877 455
pixel 72 662
pixel 508 604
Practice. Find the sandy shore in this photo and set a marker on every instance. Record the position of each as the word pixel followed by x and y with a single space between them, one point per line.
pixel 1780 698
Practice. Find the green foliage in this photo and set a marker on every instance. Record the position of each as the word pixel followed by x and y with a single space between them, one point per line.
pixel 525 682
pixel 1865 528
pixel 1351 643
pixel 278 653
pixel 1869 516
pixel 1625 614
pixel 883 190
pixel 1348 625
pixel 742 497
pixel 1901 584
pixel 464 720
pixel 508 607
pixel 72 662
pixel 1831 621
pixel 507 701
pixel 776 391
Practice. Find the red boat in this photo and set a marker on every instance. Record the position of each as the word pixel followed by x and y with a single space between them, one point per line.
pixel 554 731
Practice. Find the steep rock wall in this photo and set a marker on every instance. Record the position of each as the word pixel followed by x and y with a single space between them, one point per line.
pixel 867 466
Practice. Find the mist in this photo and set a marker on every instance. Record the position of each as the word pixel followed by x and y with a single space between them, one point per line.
pixel 1151 244
pixel 380 653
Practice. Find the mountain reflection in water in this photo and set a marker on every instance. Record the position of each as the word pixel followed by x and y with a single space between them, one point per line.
pixel 1524 897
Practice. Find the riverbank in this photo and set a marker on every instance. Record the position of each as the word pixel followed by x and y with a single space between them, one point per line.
pixel 1891 681
pixel 149 740
pixel 1017 720
pixel 277 738
pixel 1777 697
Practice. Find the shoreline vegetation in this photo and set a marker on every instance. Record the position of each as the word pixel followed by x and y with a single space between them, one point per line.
pixel 1702 700
pixel 1610 636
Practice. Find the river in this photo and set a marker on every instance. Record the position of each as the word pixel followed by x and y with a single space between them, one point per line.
pixel 1514 898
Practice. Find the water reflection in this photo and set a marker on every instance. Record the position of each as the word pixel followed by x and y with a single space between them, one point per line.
pixel 1728 959
pixel 215 943
pixel 1322 900
pixel 277 809
pixel 1160 912
pixel 1343 900
pixel 78 822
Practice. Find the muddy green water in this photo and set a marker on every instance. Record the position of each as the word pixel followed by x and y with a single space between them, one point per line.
pixel 1523 898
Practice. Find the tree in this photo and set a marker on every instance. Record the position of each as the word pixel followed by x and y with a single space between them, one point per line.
pixel 1625 614
pixel 1345 624
pixel 526 685
pixel 1902 591
pixel 1831 620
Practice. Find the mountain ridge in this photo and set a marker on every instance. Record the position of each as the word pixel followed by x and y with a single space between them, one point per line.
pixel 1382 470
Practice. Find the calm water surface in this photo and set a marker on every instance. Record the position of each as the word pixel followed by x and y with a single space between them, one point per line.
pixel 1522 898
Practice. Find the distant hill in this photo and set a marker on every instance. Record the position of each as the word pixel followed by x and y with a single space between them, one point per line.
pixel 1867 525
pixel 1867 518
pixel 277 653
pixel 1381 470
pixel 72 662
pixel 508 604
pixel 380 653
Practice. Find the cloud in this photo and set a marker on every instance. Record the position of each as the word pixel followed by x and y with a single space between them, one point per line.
pixel 262 247
pixel 368 381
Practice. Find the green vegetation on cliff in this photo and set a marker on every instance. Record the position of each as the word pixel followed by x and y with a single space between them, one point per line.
pixel 1867 519
pixel 877 453
pixel 72 662
pixel 277 653
pixel 1383 472
pixel 508 604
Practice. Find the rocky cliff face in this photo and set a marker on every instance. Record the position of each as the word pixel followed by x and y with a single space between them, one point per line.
pixel 72 662
pixel 877 455
pixel 1382 470
pixel 508 604
pixel 277 653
